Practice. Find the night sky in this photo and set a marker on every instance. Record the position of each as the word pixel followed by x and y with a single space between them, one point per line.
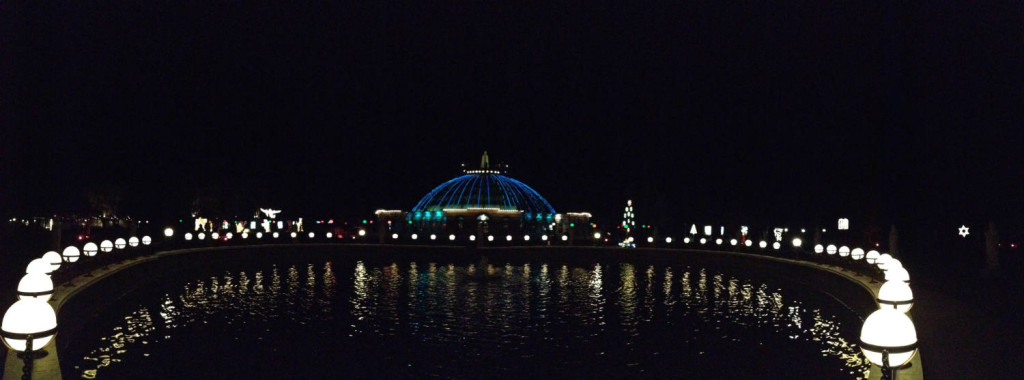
pixel 756 112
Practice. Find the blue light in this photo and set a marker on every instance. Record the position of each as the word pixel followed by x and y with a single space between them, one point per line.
pixel 485 191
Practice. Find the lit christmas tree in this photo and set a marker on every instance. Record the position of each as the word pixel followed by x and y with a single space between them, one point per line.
pixel 628 221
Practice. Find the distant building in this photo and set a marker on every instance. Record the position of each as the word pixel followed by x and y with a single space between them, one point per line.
pixel 484 201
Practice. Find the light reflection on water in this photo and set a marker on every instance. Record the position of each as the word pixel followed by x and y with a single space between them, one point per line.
pixel 567 307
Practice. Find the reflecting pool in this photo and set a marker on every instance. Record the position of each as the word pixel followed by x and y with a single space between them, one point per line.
pixel 322 316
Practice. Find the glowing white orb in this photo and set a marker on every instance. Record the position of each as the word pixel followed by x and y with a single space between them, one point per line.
pixel 71 254
pixel 896 295
pixel 892 331
pixel 91 248
pixel 54 259
pixel 29 317
pixel 35 286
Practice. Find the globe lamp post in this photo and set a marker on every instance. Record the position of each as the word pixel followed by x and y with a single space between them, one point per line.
pixel 90 249
pixel 897 274
pixel 146 240
pixel 133 242
pixel 27 327
pixel 889 340
pixel 106 246
pixel 54 259
pixel 35 285
pixel 871 257
pixel 71 254
pixel 895 295
pixel 38 266
pixel 168 232
pixel 797 243
pixel 883 260
pixel 857 254
pixel 120 243
pixel 819 248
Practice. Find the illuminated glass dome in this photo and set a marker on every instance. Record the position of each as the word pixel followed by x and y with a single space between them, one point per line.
pixel 484 188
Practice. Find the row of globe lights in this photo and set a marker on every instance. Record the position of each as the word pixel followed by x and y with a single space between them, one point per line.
pixel 169 233
pixel 30 324
pixel 888 336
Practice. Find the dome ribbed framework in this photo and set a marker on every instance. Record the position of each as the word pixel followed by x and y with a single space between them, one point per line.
pixel 484 190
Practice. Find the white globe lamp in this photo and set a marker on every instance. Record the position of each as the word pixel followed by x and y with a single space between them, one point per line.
pixel 895 295
pixel 888 339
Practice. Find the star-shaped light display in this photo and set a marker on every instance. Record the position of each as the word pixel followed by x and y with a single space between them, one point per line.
pixel 964 231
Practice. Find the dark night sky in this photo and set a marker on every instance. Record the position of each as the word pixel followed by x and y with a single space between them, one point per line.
pixel 758 112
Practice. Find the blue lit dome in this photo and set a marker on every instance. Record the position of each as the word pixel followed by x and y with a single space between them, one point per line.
pixel 484 189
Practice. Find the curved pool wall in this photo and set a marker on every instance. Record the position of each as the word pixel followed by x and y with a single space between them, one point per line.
pixel 857 293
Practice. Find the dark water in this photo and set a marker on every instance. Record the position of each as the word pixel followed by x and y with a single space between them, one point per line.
pixel 346 317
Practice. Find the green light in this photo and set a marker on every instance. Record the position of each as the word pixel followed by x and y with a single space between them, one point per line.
pixel 180 220
pixel 572 224
pixel 364 221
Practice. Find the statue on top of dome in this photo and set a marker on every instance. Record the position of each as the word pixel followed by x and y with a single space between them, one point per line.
pixel 485 163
